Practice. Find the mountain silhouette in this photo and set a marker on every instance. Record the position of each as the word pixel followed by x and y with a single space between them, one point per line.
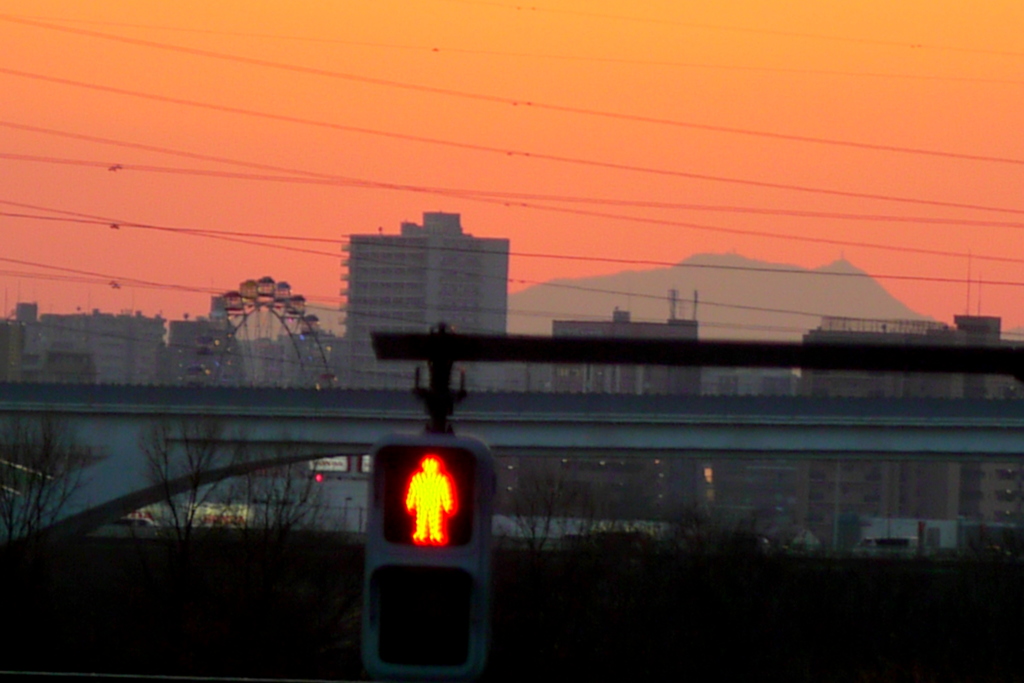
pixel 738 297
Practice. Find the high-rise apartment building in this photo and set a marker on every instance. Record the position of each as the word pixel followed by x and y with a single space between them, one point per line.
pixel 428 274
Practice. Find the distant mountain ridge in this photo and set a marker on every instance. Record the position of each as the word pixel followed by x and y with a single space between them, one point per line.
pixel 737 298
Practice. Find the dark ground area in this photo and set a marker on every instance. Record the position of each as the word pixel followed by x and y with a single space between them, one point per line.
pixel 606 609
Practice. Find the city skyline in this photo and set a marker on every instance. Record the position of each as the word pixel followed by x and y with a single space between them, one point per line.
pixel 644 294
pixel 595 137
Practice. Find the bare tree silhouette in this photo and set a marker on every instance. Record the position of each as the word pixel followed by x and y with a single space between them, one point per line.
pixel 549 508
pixel 41 467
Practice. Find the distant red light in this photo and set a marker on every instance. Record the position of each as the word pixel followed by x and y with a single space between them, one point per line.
pixel 318 477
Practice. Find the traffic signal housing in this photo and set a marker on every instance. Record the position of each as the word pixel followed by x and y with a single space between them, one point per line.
pixel 426 605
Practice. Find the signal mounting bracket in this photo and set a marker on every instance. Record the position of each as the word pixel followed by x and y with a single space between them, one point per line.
pixel 438 397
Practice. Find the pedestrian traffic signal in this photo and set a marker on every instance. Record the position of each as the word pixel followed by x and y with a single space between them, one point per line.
pixel 431 498
pixel 428 494
pixel 427 587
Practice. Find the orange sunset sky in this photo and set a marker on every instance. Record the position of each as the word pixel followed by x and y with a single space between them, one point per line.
pixel 252 137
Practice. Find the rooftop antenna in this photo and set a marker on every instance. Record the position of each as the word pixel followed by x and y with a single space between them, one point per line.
pixel 695 301
pixel 979 295
pixel 967 309
pixel 673 300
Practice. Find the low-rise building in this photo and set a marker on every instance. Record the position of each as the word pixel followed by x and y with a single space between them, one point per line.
pixel 920 489
pixel 125 348
pixel 589 378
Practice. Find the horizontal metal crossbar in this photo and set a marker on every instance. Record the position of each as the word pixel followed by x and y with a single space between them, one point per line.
pixel 907 357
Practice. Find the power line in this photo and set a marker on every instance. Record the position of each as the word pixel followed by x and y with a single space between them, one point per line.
pixel 638 295
pixel 767 270
pixel 333 309
pixel 618 261
pixel 170 151
pixel 465 146
pixel 742 29
pixel 407 321
pixel 93 219
pixel 754 233
pixel 495 99
pixel 780 271
pixel 239 237
pixel 445 50
pixel 496 196
pixel 598 290
pixel 83 280
pixel 104 278
pixel 224 236
pixel 135 282
pixel 709 303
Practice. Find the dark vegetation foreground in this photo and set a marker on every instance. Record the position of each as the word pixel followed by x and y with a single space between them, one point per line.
pixel 608 608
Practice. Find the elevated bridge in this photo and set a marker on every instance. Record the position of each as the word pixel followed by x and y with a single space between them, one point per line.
pixel 290 425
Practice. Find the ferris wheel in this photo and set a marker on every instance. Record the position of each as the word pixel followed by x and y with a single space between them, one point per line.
pixel 271 340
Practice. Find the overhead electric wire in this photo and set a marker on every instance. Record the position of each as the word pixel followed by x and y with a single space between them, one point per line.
pixel 112 222
pixel 740 29
pixel 755 233
pixel 107 279
pixel 313 177
pixel 121 281
pixel 553 200
pixel 198 232
pixel 647 220
pixel 597 290
pixel 224 236
pixel 648 262
pixel 598 59
pixel 311 304
pixel 169 151
pixel 517 153
pixel 406 320
pixel 496 99
pixel 210 234
pixel 77 279
pixel 134 282
pixel 102 279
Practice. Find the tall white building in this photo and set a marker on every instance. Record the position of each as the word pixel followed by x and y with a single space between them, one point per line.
pixel 428 274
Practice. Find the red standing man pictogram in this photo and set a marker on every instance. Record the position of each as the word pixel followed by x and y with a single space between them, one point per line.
pixel 432 499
